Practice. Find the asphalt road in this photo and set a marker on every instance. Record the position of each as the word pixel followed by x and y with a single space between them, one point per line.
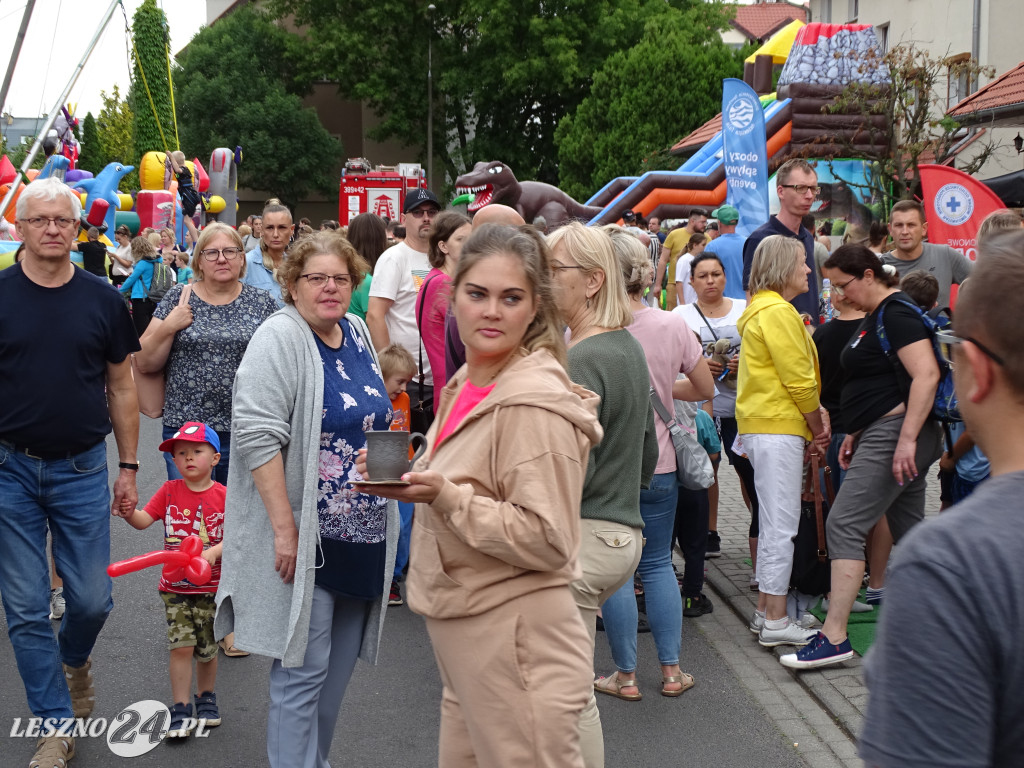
pixel 391 712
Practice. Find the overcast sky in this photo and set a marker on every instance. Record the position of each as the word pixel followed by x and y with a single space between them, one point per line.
pixel 57 37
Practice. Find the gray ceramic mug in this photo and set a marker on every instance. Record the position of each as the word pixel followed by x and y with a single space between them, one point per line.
pixel 387 453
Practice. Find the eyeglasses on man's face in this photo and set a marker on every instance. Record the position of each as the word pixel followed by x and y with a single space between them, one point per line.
pixel 42 222
pixel 319 280
pixel 212 254
pixel 419 213
pixel 948 339
pixel 802 189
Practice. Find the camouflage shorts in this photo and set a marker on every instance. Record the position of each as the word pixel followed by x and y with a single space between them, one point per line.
pixel 190 623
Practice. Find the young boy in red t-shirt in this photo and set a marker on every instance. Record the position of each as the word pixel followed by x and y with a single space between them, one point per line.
pixel 192 505
pixel 398 368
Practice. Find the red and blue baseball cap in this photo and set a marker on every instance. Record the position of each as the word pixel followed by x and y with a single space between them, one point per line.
pixel 193 432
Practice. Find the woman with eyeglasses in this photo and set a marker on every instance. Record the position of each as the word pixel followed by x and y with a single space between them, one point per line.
pixel 199 341
pixel 307 558
pixel 886 405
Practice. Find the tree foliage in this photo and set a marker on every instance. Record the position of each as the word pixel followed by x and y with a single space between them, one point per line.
pixel 238 84
pixel 91 158
pixel 917 129
pixel 114 125
pixel 505 71
pixel 646 98
pixel 150 94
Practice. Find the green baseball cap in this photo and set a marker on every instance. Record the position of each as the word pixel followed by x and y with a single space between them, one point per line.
pixel 726 214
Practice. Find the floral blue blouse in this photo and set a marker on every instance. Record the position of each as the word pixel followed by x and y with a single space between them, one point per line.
pixel 352 525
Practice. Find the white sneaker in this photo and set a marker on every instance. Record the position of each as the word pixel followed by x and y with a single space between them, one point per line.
pixel 756 623
pixel 57 603
pixel 791 634
pixel 807 621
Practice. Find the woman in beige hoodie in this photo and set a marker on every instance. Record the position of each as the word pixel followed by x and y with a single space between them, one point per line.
pixel 497 528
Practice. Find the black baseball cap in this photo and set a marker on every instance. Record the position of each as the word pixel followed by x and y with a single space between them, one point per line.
pixel 418 197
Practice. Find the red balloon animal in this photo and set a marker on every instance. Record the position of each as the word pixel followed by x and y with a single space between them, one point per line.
pixel 187 562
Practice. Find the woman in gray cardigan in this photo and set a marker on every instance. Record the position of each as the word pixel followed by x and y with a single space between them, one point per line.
pixel 307 560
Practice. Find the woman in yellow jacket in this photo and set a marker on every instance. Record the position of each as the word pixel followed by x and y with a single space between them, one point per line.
pixel 777 412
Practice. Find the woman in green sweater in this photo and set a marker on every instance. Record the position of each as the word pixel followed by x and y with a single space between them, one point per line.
pixel 606 359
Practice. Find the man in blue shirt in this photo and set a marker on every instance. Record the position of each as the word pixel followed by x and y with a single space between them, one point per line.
pixel 728 247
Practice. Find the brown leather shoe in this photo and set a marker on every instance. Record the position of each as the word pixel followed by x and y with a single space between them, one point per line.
pixel 83 695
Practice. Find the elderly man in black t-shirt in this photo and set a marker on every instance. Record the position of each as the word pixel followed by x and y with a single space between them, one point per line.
pixel 65 378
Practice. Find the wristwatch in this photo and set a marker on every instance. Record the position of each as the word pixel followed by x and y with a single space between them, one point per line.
pixel 128 465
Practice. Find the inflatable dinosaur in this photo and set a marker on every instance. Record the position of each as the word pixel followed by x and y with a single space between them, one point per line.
pixel 494 182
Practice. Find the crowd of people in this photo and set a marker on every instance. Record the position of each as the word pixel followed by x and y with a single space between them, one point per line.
pixel 541 368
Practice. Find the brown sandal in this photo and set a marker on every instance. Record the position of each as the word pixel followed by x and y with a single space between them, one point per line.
pixel 684 677
pixel 229 647
pixel 53 752
pixel 613 687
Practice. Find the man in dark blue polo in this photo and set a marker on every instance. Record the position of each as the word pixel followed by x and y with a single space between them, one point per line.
pixel 798 187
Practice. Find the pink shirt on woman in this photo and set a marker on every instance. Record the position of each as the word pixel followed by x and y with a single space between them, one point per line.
pixel 432 305
pixel 671 348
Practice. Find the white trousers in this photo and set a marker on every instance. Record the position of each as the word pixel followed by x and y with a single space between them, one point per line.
pixel 778 462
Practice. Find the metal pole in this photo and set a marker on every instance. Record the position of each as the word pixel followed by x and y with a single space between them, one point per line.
pixel 430 99
pixel 56 108
pixel 16 52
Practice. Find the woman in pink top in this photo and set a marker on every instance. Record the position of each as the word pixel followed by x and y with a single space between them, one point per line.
pixel 671 349
pixel 447 235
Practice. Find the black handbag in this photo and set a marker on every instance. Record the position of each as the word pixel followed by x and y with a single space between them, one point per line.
pixel 812 569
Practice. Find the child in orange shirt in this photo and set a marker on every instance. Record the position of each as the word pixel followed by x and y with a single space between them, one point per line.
pixel 398 368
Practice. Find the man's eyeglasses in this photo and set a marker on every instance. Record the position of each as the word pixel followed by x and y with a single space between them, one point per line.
pixel 212 254
pixel 419 213
pixel 319 279
pixel 801 189
pixel 948 339
pixel 42 222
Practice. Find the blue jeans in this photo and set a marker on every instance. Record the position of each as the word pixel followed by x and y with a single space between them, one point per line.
pixel 661 592
pixel 72 498
pixel 220 472
pixel 405 511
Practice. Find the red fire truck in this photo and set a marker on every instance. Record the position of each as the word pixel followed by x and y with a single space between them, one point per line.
pixel 380 190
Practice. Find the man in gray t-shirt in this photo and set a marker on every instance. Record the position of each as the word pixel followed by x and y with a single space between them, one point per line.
pixel 946 673
pixel 908 229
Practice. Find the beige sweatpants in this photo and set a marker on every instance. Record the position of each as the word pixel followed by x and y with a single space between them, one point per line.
pixel 516 679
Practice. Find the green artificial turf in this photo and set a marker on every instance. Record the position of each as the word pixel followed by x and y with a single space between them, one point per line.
pixel 861 627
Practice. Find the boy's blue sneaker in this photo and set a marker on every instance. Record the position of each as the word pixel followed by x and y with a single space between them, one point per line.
pixel 206 709
pixel 181 721
pixel 818 653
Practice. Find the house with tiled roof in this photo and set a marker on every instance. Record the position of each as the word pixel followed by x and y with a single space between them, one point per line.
pixel 956 31
pixel 756 22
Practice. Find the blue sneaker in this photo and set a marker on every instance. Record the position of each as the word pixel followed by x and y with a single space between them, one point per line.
pixel 818 653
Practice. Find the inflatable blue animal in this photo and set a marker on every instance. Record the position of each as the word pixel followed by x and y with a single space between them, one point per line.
pixel 104 187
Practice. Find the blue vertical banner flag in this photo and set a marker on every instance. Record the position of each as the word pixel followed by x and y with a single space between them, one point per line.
pixel 746 154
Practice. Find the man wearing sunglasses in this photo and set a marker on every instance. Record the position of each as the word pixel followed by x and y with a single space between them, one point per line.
pixel 945 672
pixel 797 184
pixel 391 310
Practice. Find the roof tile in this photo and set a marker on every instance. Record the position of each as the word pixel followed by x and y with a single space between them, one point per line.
pixel 1005 90
pixel 761 20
